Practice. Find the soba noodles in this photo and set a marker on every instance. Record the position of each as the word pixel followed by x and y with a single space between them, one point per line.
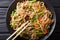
pixel 40 16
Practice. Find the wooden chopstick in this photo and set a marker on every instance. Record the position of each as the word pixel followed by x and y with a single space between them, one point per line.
pixel 21 31
pixel 17 30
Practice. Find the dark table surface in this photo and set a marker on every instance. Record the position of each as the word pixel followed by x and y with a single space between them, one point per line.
pixel 4 32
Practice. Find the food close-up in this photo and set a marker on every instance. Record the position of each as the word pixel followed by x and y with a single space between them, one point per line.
pixel 35 12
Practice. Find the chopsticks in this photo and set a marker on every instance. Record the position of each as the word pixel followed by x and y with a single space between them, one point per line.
pixel 19 30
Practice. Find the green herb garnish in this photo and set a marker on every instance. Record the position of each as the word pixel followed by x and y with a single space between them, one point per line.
pixel 42 6
pixel 38 33
pixel 12 14
pixel 21 34
pixel 33 27
pixel 34 18
pixel 40 13
pixel 51 16
pixel 25 30
pixel 26 35
pixel 11 25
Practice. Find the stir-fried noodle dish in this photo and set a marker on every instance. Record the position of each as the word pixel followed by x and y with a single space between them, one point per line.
pixel 39 16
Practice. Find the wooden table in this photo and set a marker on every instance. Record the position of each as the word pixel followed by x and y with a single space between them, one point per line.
pixel 4 32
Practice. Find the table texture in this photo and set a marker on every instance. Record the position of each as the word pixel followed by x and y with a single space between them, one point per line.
pixel 4 32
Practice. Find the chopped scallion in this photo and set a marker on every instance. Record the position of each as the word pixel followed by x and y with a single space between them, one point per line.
pixel 40 13
pixel 38 33
pixel 13 12
pixel 51 16
pixel 34 18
